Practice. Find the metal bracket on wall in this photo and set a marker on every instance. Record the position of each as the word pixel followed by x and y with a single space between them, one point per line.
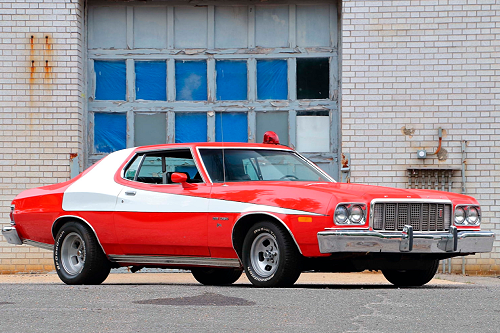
pixel 430 178
pixel 345 169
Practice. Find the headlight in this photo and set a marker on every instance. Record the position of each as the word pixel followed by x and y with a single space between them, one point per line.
pixel 459 215
pixel 467 215
pixel 356 214
pixel 341 214
pixel 350 213
pixel 473 216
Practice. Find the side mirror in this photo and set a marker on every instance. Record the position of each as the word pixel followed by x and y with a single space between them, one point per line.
pixel 178 177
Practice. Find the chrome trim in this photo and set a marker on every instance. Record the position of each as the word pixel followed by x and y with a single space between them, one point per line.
pixel 165 260
pixel 269 214
pixel 82 220
pixel 405 200
pixel 452 242
pixel 466 210
pixel 11 235
pixel 44 246
pixel 363 206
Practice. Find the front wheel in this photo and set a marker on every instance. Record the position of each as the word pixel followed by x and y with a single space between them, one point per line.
pixel 412 278
pixel 216 276
pixel 270 257
pixel 78 257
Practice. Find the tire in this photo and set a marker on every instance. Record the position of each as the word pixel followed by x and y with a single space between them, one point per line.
pixel 412 278
pixel 78 257
pixel 216 276
pixel 270 257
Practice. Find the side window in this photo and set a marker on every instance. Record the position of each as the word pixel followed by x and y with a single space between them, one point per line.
pixel 131 170
pixel 157 168
pixel 181 161
pixel 151 170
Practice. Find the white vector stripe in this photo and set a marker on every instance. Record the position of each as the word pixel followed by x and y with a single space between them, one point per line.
pixel 149 202
pixel 97 191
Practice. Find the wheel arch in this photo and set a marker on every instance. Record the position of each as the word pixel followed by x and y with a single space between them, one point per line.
pixel 245 222
pixel 61 220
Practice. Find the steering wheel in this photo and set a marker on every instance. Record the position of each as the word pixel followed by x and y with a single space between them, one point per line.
pixel 290 177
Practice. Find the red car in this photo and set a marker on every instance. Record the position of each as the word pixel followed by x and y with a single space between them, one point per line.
pixel 219 209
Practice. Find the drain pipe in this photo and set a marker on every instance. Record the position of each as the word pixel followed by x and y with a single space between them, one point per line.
pixel 464 143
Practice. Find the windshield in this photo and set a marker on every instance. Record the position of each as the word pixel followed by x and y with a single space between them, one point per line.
pixel 254 165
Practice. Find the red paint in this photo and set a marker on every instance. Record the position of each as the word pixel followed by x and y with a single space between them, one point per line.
pixel 207 233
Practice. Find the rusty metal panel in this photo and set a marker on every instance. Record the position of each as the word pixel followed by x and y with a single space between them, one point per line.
pixel 313 25
pixel 231 26
pixel 113 21
pixel 275 19
pixel 150 27
pixel 190 27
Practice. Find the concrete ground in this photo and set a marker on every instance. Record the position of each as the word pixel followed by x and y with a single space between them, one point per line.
pixel 174 302
pixel 364 278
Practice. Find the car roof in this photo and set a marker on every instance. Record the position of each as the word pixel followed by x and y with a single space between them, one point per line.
pixel 195 145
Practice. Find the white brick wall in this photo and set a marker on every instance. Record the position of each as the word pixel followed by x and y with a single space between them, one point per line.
pixel 424 65
pixel 41 85
pixel 417 65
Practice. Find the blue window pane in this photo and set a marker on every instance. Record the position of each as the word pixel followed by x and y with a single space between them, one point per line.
pixel 190 127
pixel 111 80
pixel 110 132
pixel 272 79
pixel 231 127
pixel 191 80
pixel 151 80
pixel 231 80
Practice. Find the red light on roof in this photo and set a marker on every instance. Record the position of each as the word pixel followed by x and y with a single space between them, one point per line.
pixel 271 138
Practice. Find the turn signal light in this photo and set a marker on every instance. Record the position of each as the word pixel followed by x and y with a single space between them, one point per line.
pixel 12 215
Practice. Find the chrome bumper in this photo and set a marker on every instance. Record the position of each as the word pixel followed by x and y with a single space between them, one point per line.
pixel 10 234
pixel 454 241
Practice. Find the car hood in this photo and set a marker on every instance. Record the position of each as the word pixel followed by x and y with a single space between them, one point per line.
pixel 322 197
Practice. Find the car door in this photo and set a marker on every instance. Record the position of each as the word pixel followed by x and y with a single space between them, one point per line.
pixel 157 217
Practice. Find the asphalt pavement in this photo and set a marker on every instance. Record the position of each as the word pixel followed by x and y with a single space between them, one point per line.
pixel 175 302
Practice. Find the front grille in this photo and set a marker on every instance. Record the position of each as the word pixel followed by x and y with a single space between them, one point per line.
pixel 421 216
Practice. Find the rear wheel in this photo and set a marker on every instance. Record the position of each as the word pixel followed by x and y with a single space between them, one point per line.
pixel 270 257
pixel 216 276
pixel 78 256
pixel 412 278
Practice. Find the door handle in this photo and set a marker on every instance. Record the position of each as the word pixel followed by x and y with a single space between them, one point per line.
pixel 131 193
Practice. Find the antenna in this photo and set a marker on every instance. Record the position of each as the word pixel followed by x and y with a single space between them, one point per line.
pixel 223 155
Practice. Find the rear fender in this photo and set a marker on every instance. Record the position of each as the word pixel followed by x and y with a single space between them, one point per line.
pixel 60 221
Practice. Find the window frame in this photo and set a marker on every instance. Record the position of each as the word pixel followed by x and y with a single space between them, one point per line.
pixel 291 52
pixel 161 152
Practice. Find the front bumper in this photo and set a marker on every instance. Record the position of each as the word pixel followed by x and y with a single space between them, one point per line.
pixel 407 241
pixel 10 234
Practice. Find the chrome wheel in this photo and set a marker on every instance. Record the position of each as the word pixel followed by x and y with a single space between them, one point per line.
pixel 73 253
pixel 264 255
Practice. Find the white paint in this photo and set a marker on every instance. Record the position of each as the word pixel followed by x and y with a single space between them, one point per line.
pixel 150 202
pixel 96 190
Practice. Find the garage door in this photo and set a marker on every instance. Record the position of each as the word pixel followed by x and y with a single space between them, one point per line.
pixel 162 73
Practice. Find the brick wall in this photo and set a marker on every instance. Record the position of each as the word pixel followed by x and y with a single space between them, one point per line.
pixel 41 85
pixel 410 67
